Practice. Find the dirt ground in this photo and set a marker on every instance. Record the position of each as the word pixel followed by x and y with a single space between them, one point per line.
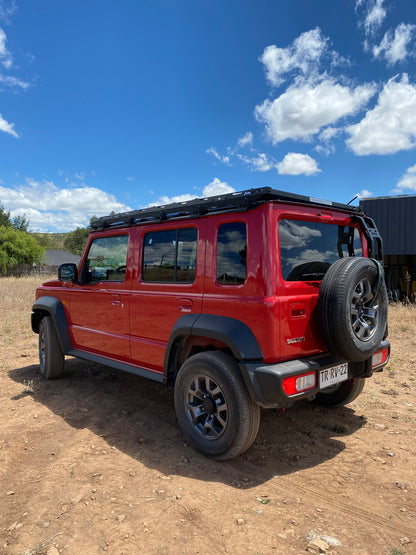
pixel 94 462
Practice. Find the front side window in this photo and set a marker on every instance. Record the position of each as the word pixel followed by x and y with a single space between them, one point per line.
pixel 232 253
pixel 170 256
pixel 106 259
pixel 307 249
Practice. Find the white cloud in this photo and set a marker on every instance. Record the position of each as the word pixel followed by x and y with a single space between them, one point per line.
pixel 407 182
pixel 375 14
pixel 329 133
pixel 259 162
pixel 224 159
pixel 391 125
pixel 245 140
pixel 364 194
pixel 301 111
pixel 295 163
pixel 13 82
pixel 326 137
pixel 303 55
pixel 6 61
pixel 50 208
pixel 396 47
pixel 7 127
pixel 80 176
pixel 217 187
pixel 5 56
pixel 7 9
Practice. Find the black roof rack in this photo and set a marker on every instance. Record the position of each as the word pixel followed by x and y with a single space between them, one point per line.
pixel 230 202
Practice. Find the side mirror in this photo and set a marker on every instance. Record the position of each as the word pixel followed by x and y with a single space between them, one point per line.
pixel 68 272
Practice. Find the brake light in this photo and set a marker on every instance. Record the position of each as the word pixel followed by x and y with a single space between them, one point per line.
pixel 380 358
pixel 325 216
pixel 297 384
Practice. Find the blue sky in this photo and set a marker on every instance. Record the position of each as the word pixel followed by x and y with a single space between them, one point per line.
pixel 117 105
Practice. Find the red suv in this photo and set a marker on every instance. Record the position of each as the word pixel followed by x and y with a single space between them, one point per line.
pixel 246 300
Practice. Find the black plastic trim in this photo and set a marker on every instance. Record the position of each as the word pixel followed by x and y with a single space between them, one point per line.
pixel 265 380
pixel 117 365
pixel 55 309
pixel 233 333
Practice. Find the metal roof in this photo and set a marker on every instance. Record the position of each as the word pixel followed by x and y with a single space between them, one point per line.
pixel 395 218
pixel 55 258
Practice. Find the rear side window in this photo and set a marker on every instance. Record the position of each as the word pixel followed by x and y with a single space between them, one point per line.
pixel 106 259
pixel 307 249
pixel 170 256
pixel 232 253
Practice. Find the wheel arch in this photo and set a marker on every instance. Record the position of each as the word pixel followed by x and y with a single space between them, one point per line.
pixel 53 307
pixel 202 332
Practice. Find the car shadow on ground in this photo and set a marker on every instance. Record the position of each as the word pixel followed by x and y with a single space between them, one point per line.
pixel 137 417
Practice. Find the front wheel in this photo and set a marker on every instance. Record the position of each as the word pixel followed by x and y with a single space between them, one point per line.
pixel 51 357
pixel 213 407
pixel 340 394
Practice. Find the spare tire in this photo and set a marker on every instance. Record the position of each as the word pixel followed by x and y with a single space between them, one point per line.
pixel 352 308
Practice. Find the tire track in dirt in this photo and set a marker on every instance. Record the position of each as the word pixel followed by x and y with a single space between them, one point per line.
pixel 288 487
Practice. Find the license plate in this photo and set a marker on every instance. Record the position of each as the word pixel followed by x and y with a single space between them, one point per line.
pixel 334 375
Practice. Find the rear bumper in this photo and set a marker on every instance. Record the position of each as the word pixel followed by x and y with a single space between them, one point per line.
pixel 265 381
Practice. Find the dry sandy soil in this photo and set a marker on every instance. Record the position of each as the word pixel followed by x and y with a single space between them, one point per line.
pixel 94 462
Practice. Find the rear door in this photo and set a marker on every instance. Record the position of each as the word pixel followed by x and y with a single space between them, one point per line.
pixel 100 302
pixel 310 240
pixel 168 283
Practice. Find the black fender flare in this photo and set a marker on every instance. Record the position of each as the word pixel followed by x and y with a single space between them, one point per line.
pixel 233 333
pixel 54 308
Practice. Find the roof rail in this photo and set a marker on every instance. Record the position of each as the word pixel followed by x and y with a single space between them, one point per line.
pixel 230 202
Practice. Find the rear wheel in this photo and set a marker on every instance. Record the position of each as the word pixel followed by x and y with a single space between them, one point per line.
pixel 51 357
pixel 340 394
pixel 213 407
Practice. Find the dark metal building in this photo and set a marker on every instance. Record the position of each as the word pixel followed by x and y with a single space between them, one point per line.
pixel 395 218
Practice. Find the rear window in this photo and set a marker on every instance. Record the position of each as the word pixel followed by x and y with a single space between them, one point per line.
pixel 307 249
pixel 170 256
pixel 232 253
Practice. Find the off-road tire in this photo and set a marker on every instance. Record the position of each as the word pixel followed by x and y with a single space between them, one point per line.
pixel 352 308
pixel 213 407
pixel 340 394
pixel 51 357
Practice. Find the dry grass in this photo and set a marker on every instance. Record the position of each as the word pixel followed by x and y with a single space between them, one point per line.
pixel 17 296
pixel 402 335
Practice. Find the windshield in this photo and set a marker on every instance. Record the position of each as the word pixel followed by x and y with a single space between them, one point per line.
pixel 307 249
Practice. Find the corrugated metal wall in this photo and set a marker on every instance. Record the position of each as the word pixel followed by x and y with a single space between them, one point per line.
pixel 395 218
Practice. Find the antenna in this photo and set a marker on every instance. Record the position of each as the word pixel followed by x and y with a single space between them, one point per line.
pixel 352 200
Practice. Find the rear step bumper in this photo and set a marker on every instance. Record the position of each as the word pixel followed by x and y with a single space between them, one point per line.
pixel 265 382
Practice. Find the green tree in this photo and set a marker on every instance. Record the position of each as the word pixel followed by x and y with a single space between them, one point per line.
pixel 17 247
pixel 5 217
pixel 18 222
pixel 75 240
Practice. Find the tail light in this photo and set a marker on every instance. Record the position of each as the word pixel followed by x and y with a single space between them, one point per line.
pixel 380 358
pixel 299 383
